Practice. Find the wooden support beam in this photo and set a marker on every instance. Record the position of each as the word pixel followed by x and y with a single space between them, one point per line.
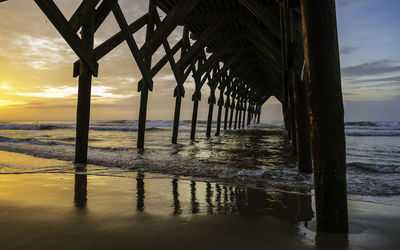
pixel 302 115
pixel 119 16
pixel 103 11
pixel 285 106
pixel 288 84
pixel 224 69
pixel 179 91
pixel 249 114
pixel 220 105
pixel 55 16
pixel 164 60
pixel 326 106
pixel 178 103
pixel 240 114
pixel 144 94
pixel 84 92
pixel 244 114
pixel 194 119
pixel 227 104
pixel 203 39
pixel 264 14
pixel 237 114
pixel 232 109
pixel 111 43
pixel 180 10
pixel 82 13
pixel 210 18
pixel 195 98
pixel 211 102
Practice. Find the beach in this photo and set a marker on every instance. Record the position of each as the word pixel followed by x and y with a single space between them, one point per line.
pixel 81 209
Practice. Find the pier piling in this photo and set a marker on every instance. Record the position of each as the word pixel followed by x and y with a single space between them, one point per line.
pixel 326 106
pixel 84 93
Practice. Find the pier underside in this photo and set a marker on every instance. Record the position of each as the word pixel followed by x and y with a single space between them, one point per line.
pixel 250 50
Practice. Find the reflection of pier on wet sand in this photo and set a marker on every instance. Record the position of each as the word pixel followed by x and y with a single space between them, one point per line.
pixel 222 199
pixel 84 210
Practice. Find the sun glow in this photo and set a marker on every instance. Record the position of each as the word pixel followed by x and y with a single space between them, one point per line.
pixel 5 103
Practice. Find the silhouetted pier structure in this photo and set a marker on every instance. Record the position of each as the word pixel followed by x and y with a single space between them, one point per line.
pixel 248 50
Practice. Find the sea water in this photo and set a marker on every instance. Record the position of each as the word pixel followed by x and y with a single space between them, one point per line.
pixel 259 156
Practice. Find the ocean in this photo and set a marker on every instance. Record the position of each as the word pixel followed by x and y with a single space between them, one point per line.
pixel 257 157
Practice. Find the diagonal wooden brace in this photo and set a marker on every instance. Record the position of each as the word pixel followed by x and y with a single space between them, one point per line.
pixel 133 47
pixel 55 16
pixel 81 14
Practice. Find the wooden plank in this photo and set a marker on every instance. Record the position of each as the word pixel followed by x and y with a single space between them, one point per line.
pixel 55 16
pixel 148 82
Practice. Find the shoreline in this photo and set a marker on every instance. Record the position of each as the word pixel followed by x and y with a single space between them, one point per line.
pixel 151 211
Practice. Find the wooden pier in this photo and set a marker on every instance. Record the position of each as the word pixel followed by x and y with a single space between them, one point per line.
pixel 248 50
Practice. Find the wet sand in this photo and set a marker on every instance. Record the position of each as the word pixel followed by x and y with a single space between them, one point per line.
pixel 86 210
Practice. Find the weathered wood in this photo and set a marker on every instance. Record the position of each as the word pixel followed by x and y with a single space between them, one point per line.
pixel 220 105
pixel 144 94
pixel 196 97
pixel 177 113
pixel 111 43
pixel 285 107
pixel 84 92
pixel 302 117
pixel 326 106
pixel 264 14
pixel 55 16
pixel 179 91
pixel 236 114
pixel 103 11
pixel 145 71
pixel 82 13
pixel 227 104
pixel 232 109
pixel 194 119
pixel 180 10
pixel 292 120
pixel 211 102
pixel 201 42
pixel 161 63
pixel 240 114
pixel 244 114
pixel 249 115
pixel 288 81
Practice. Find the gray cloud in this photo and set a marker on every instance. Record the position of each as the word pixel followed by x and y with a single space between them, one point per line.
pixel 351 3
pixel 372 68
pixel 347 50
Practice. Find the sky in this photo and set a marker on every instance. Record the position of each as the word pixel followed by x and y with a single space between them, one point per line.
pixel 36 80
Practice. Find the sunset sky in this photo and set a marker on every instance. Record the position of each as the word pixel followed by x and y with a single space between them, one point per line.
pixel 36 80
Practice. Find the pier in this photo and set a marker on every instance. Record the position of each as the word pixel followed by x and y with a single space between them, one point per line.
pixel 244 52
